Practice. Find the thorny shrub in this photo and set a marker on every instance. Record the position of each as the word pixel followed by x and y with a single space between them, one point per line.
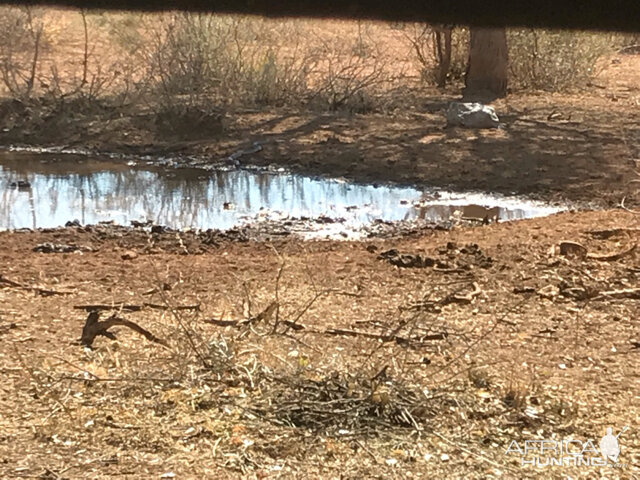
pixel 555 60
pixel 233 61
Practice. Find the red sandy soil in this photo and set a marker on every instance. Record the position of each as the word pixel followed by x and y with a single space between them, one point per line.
pixel 539 344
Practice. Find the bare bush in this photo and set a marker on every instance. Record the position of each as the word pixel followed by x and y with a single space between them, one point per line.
pixel 229 59
pixel 199 61
pixel 441 52
pixel 348 85
pixel 21 41
pixel 36 60
pixel 539 59
pixel 349 77
pixel 273 77
pixel 554 60
pixel 185 61
pixel 187 52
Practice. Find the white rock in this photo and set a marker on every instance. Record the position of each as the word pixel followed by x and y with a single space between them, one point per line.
pixel 472 115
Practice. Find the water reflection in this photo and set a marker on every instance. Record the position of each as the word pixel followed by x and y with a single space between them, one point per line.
pixel 67 187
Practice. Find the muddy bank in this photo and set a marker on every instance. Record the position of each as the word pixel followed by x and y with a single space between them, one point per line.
pixel 149 239
pixel 585 154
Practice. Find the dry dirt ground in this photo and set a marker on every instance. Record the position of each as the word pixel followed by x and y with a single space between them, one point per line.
pixel 320 359
pixel 337 359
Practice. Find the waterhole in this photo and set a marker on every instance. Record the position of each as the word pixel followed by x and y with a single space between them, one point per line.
pixel 43 190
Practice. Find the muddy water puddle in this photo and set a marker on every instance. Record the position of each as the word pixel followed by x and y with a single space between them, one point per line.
pixel 46 190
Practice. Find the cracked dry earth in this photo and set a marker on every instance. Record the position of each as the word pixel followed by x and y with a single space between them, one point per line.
pixel 420 357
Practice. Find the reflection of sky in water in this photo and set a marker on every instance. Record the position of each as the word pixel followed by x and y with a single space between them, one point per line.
pixel 65 188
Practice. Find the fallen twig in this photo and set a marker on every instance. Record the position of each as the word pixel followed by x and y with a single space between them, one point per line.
pixel 604 234
pixel 223 323
pixel 434 306
pixel 94 327
pixel 103 307
pixel 613 256
pixel 468 298
pixel 41 291
pixel 133 308
pixel 264 315
pixel 386 338
pixel 635 212
pixel 178 307
pixel 633 293
pixel 578 250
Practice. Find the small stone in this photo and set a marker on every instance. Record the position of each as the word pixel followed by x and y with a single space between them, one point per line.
pixel 129 255
pixel 574 249
pixel 549 291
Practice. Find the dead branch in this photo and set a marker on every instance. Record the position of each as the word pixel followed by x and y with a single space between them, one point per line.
pixel 633 293
pixel 93 328
pixel 158 306
pixel 98 307
pixel 37 36
pixel 579 250
pixel 293 325
pixel 467 298
pixel 223 323
pixel 435 306
pixel 85 58
pixel 386 338
pixel 276 303
pixel 133 307
pixel 45 292
pixel 11 283
pixel 604 234
pixel 266 314
pixel 635 212
pixel 613 256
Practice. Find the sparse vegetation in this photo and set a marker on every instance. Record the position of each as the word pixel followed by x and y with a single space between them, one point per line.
pixel 555 60
pixel 439 64
pixel 22 40
pixel 229 61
